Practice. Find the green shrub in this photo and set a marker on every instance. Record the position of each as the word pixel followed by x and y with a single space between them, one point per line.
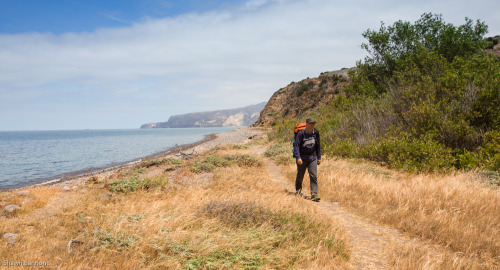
pixel 304 87
pixel 341 147
pixel 240 146
pixel 172 161
pixel 209 164
pixel 467 160
pixel 135 183
pixel 202 167
pixel 278 149
pixel 485 157
pixel 244 160
pixel 492 42
pixel 280 153
pixel 119 240
pixel 160 161
pixel 490 153
pixel 412 154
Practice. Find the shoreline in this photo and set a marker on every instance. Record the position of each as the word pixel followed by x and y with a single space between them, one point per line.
pixel 91 172
pixel 175 151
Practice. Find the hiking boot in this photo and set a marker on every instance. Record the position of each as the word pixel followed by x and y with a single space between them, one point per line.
pixel 315 197
pixel 298 192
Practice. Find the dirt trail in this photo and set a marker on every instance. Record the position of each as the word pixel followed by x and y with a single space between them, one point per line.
pixel 369 241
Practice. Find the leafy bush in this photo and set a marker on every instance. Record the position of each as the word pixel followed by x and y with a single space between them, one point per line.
pixel 135 182
pixel 209 164
pixel 493 41
pixel 160 161
pixel 412 154
pixel 281 153
pixel 302 88
pixel 486 157
pixel 120 240
pixel 278 149
pixel 491 151
pixel 244 160
pixel 341 147
pixel 240 146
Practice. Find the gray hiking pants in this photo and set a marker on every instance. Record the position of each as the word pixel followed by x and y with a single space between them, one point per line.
pixel 312 168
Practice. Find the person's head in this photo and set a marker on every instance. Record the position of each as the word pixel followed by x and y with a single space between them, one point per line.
pixel 310 123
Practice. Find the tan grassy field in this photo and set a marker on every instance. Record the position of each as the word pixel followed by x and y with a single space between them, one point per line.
pixel 456 216
pixel 223 209
pixel 219 210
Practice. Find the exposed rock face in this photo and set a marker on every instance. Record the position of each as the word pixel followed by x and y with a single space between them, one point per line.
pixel 233 117
pixel 301 98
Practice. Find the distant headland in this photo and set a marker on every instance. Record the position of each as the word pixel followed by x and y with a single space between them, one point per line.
pixel 244 116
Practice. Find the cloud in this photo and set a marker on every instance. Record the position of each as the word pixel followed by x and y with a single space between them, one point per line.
pixel 197 61
pixel 115 18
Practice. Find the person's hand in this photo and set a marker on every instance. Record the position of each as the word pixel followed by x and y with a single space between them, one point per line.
pixel 319 161
pixel 299 161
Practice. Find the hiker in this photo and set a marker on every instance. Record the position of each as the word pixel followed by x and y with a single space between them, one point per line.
pixel 307 151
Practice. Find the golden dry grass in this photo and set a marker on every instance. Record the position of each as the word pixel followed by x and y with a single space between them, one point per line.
pixel 236 218
pixel 415 255
pixel 454 211
pixel 37 198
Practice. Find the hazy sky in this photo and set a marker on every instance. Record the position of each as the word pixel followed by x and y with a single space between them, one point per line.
pixel 117 64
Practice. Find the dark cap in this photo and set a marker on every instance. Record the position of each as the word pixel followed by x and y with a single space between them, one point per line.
pixel 310 120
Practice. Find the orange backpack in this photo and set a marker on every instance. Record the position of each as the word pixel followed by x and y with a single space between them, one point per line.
pixel 298 127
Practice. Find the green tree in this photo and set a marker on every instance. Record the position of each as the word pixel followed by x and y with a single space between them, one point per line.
pixel 405 40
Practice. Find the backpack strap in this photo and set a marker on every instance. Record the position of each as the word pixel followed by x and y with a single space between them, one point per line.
pixel 300 143
pixel 295 138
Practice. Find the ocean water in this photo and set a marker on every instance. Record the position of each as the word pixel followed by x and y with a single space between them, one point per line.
pixel 31 157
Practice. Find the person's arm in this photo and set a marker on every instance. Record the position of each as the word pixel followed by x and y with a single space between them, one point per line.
pixel 296 145
pixel 318 148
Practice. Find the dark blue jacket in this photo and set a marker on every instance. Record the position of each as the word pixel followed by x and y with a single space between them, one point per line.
pixel 307 146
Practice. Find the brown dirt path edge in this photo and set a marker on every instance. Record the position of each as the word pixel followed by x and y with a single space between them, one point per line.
pixel 370 242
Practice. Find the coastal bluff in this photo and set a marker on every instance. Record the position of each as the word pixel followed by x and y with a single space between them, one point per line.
pixel 244 116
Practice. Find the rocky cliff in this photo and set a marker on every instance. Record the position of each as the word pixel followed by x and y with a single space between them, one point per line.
pixel 298 99
pixel 244 116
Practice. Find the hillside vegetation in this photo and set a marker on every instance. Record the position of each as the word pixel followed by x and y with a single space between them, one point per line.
pixel 426 98
pixel 301 98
